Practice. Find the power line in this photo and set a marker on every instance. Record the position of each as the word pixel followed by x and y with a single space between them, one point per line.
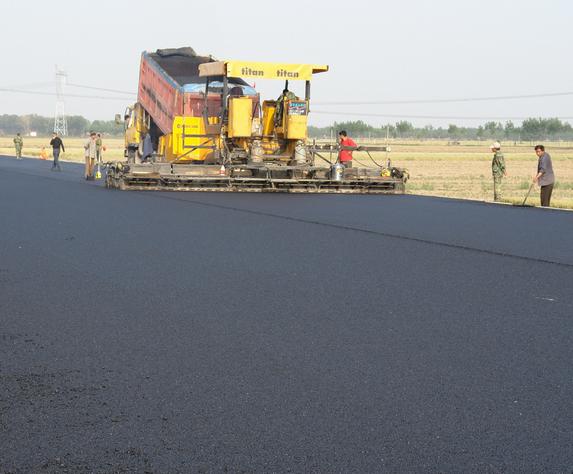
pixel 99 97
pixel 81 86
pixel 101 89
pixel 445 101
pixel 22 90
pixel 32 85
pixel 344 103
pixel 437 117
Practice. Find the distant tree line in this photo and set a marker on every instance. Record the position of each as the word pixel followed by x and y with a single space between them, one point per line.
pixel 77 125
pixel 530 129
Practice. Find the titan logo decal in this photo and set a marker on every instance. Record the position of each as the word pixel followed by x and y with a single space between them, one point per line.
pixel 247 71
pixel 283 73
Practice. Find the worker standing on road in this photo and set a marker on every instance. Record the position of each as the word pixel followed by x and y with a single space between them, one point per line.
pixel 99 146
pixel 90 155
pixel 57 145
pixel 497 170
pixel 345 156
pixel 545 177
pixel 18 144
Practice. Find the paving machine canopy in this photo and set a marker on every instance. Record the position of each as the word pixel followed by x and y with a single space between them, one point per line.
pixel 261 70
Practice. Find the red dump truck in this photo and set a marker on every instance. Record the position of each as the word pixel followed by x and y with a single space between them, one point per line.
pixel 169 85
pixel 170 88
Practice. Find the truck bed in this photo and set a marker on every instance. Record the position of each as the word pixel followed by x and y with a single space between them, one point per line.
pixel 170 86
pixel 182 65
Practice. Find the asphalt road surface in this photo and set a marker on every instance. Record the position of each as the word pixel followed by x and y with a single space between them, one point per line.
pixel 199 332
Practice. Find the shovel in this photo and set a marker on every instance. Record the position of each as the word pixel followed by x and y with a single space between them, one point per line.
pixel 527 195
pixel 98 171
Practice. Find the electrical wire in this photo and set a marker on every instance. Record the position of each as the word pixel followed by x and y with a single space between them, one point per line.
pixel 373 160
pixel 356 160
pixel 371 102
pixel 100 89
pixel 32 85
pixel 447 101
pixel 20 87
pixel 437 117
pixel 23 90
pixel 99 97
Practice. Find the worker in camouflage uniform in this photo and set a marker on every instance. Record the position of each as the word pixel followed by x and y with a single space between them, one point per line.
pixel 497 169
pixel 18 144
pixel 99 146
pixel 279 111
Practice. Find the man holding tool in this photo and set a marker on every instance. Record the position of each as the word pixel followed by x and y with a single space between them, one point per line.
pixel 545 177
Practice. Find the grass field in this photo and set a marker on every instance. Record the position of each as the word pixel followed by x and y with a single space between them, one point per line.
pixel 436 168
pixel 74 148
pixel 464 171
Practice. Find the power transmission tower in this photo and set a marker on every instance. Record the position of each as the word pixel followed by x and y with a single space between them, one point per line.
pixel 60 122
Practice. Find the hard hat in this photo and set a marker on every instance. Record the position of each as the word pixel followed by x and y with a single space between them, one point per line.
pixel 496 145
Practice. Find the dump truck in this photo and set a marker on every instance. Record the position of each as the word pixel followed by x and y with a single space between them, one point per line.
pixel 198 125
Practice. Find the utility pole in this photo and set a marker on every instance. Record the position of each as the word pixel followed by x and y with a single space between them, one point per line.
pixel 60 122
pixel 387 145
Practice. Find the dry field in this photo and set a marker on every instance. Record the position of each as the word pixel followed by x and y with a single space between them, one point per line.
pixel 436 168
pixel 74 147
pixel 464 171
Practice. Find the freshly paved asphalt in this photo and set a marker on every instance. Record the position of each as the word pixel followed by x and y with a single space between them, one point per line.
pixel 191 332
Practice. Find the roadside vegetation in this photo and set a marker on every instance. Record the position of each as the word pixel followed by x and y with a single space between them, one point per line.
pixel 464 170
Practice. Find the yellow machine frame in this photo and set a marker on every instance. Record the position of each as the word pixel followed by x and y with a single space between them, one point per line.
pixel 135 125
pixel 242 126
pixel 190 140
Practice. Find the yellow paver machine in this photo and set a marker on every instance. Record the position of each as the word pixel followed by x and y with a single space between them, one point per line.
pixel 199 126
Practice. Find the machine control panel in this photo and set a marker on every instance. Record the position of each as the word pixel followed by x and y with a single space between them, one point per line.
pixel 297 107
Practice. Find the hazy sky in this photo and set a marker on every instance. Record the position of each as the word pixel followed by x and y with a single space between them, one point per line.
pixel 376 50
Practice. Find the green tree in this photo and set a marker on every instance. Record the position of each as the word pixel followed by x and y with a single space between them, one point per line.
pixel 532 129
pixel 453 131
pixel 11 124
pixel 509 131
pixel 77 125
pixel 108 127
pixel 404 128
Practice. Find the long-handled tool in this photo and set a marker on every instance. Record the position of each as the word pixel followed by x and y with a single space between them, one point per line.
pixel 527 195
pixel 98 170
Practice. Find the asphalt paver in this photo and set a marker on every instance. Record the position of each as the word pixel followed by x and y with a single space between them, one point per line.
pixel 225 332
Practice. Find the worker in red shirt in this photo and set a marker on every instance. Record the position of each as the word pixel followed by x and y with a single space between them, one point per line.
pixel 345 156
